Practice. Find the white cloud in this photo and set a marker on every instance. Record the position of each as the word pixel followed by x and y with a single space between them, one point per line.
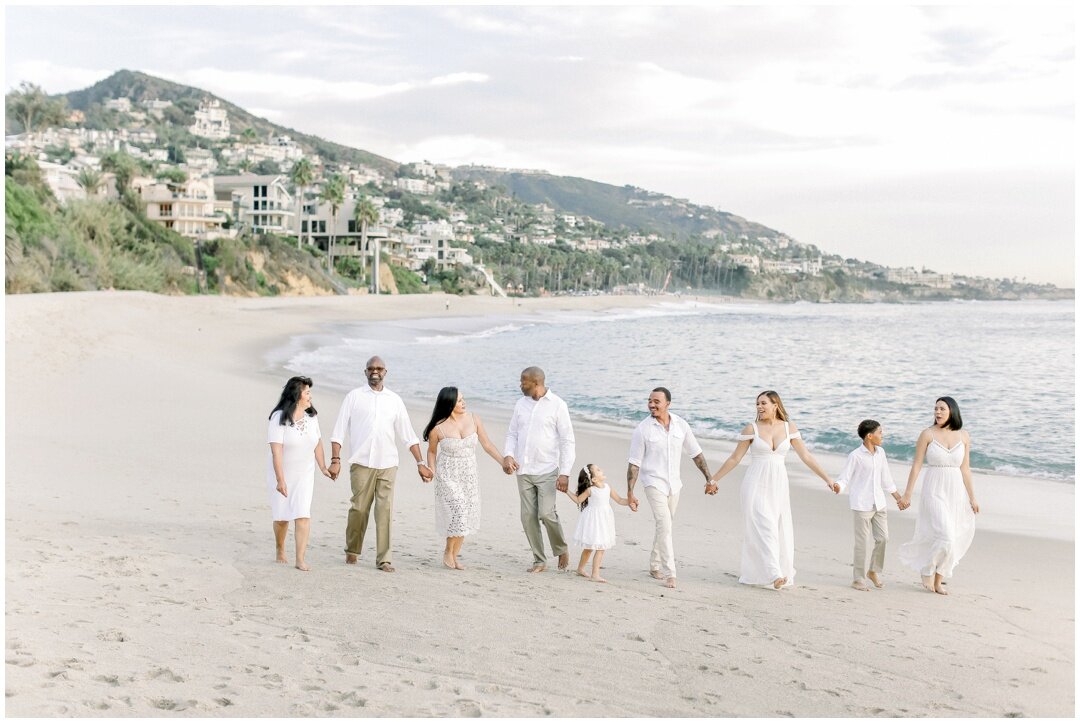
pixel 53 77
pixel 457 78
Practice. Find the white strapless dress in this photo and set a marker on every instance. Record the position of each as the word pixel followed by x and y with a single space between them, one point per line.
pixel 457 490
pixel 946 523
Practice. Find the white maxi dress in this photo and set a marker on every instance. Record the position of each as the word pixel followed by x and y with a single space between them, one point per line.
pixel 298 460
pixel 768 548
pixel 946 524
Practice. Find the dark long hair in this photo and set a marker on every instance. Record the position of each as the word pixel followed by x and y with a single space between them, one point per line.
pixel 290 397
pixel 444 405
pixel 954 421
pixel 584 482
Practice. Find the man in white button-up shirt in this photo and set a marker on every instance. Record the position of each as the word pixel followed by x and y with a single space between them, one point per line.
pixel 655 456
pixel 371 416
pixel 866 474
pixel 540 448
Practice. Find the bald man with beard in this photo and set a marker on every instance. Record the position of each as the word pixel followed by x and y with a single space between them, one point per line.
pixel 371 416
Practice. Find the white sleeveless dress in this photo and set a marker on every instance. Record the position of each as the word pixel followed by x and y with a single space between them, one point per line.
pixel 596 525
pixel 946 524
pixel 768 548
pixel 457 490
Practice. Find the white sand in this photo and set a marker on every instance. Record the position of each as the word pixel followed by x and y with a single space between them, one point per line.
pixel 140 577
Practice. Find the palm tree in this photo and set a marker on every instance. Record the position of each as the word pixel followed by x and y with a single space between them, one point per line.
pixel 303 174
pixel 333 193
pixel 249 135
pixel 364 215
pixel 89 180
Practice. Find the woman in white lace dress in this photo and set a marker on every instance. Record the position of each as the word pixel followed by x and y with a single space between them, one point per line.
pixel 947 506
pixel 295 449
pixel 768 548
pixel 452 435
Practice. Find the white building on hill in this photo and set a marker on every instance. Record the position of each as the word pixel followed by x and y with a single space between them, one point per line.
pixel 211 121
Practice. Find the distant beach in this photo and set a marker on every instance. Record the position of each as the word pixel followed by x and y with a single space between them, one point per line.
pixel 140 575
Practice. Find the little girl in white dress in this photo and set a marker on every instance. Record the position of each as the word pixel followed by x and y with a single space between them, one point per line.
pixel 596 525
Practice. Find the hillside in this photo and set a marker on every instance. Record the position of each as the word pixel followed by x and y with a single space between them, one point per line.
pixel 619 207
pixel 140 86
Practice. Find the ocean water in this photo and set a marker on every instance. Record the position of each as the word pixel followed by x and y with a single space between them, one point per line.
pixel 1010 365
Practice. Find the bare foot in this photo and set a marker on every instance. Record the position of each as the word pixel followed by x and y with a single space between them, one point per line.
pixel 280 558
pixel 941 590
pixel 538 567
pixel 458 565
pixel 656 574
pixel 581 571
pixel 564 561
pixel 779 583
pixel 670 582
pixel 350 559
pixel 860 585
pixel 302 566
pixel 448 560
pixel 875 579
pixel 597 578
pixel 928 582
pixel 386 567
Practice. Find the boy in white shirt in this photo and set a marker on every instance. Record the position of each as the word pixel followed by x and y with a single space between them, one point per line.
pixel 867 477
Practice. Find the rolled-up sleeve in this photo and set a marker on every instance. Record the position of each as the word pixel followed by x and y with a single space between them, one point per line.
pixel 567 444
pixel 690 444
pixel 404 426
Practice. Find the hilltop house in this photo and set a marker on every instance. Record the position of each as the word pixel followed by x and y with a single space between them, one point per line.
pixel 211 121
pixel 261 203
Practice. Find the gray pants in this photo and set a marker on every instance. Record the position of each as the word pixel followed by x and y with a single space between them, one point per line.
pixel 867 523
pixel 538 494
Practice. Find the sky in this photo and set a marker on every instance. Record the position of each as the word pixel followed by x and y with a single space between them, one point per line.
pixel 937 137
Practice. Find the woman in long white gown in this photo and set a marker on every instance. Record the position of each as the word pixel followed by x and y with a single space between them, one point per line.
pixel 768 548
pixel 452 435
pixel 947 507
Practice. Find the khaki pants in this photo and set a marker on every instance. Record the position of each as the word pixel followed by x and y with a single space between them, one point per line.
pixel 663 507
pixel 370 485
pixel 537 492
pixel 867 524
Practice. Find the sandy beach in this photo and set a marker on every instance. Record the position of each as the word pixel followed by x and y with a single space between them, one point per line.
pixel 140 574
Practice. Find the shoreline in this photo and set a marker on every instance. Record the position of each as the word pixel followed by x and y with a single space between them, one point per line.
pixel 140 579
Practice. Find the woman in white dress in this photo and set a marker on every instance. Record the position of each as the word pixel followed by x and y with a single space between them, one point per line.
pixel 295 448
pixel 947 506
pixel 768 548
pixel 452 435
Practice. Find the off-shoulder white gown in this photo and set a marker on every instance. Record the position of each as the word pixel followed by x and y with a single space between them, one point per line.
pixel 768 548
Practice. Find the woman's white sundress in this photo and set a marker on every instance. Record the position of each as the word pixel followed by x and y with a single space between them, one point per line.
pixel 298 442
pixel 457 490
pixel 596 525
pixel 768 548
pixel 946 523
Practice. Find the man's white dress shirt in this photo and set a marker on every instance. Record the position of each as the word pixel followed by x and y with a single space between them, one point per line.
pixel 540 436
pixel 370 419
pixel 869 479
pixel 657 452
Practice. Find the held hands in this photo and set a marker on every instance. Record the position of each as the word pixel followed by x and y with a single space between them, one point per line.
pixel 562 484
pixel 631 501
pixel 833 486
pixel 900 503
pixel 425 473
pixel 904 502
pixel 711 487
pixel 509 465
pixel 334 470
